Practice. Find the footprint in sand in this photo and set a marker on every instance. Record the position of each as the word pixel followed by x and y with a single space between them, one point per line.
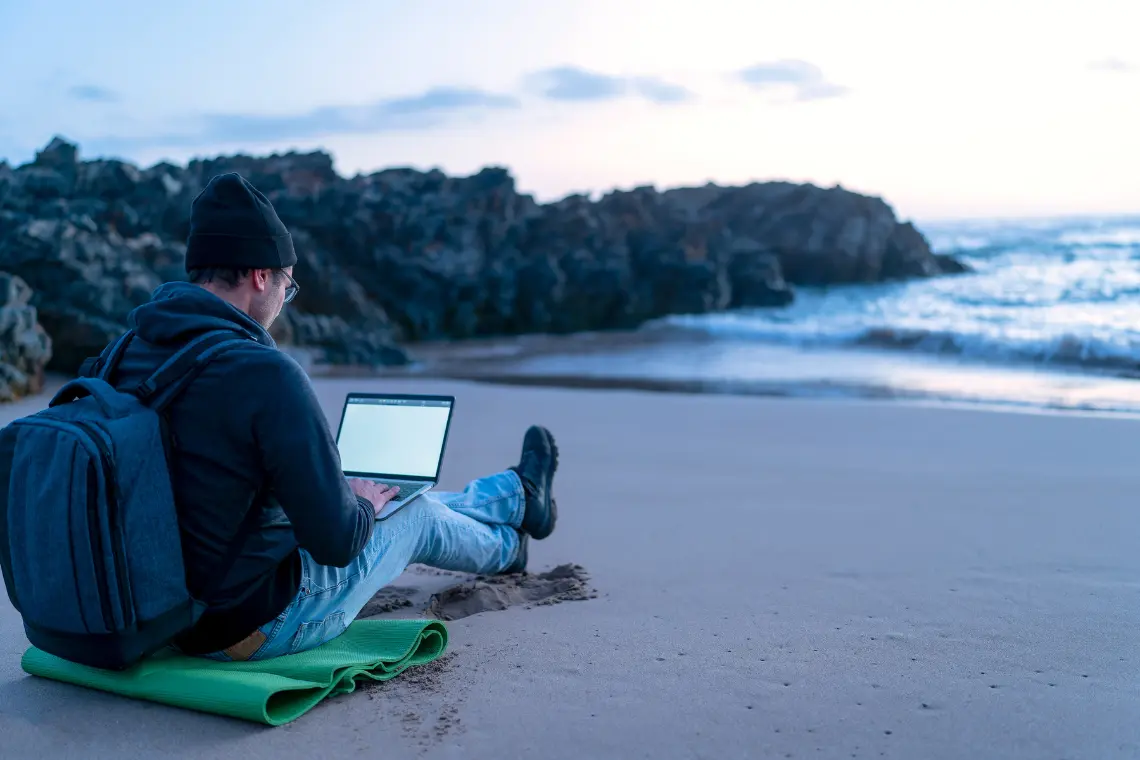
pixel 387 600
pixel 442 597
pixel 565 583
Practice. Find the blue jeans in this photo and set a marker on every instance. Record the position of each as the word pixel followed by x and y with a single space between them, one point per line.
pixel 473 531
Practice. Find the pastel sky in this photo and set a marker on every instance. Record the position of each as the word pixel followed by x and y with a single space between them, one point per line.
pixel 970 108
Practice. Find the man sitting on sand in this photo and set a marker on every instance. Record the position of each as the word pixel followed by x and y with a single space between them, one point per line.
pixel 256 463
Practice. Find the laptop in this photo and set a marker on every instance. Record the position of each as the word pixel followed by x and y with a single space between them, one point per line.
pixel 395 439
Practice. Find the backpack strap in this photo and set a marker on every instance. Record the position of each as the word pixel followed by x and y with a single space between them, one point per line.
pixel 103 365
pixel 158 390
pixel 115 355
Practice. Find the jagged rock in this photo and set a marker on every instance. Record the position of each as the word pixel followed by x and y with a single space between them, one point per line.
pixel 107 180
pixel 166 259
pixel 59 154
pixel 947 264
pixel 820 236
pixel 25 346
pixel 908 255
pixel 7 183
pixel 40 183
pixel 404 255
pixel 340 344
pixel 85 283
pixel 756 278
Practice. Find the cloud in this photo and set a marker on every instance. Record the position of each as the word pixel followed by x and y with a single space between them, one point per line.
pixel 572 84
pixel 428 109
pixel 821 90
pixel 93 93
pixel 1112 64
pixel 806 78
pixel 442 99
pixel 431 108
pixel 569 83
pixel 660 91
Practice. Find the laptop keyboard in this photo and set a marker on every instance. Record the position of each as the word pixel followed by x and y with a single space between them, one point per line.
pixel 406 490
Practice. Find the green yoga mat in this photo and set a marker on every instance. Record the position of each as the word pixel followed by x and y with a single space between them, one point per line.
pixel 272 691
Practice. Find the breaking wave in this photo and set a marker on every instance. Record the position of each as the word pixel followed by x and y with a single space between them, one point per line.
pixel 1052 292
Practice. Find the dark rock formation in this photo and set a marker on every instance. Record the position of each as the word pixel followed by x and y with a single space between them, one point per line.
pixel 25 347
pixel 947 264
pixel 402 255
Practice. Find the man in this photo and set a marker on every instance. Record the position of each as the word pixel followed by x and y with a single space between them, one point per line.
pixel 255 462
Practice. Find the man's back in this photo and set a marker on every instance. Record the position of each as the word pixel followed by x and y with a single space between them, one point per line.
pixel 247 434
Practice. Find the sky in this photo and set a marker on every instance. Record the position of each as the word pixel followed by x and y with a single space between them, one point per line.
pixel 946 110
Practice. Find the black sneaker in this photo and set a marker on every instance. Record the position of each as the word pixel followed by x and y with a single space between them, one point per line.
pixel 536 469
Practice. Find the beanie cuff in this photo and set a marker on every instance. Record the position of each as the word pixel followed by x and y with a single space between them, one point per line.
pixel 232 252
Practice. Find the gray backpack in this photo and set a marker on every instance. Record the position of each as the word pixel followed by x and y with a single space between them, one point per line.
pixel 89 541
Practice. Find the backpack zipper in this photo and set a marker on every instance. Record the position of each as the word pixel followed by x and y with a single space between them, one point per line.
pixel 113 517
pixel 93 530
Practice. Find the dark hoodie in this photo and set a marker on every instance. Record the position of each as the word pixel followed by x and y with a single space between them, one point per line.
pixel 251 435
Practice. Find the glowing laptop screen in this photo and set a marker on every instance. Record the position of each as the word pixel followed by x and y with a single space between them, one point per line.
pixel 401 437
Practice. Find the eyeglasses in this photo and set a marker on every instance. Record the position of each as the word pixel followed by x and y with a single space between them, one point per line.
pixel 290 289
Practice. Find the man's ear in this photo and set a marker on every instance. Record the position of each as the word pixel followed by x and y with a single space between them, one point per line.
pixel 260 278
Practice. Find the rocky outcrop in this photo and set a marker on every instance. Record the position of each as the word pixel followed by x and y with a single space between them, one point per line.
pixel 402 255
pixel 25 347
pixel 819 236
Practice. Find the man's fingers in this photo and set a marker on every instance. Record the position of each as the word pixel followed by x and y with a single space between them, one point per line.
pixel 380 494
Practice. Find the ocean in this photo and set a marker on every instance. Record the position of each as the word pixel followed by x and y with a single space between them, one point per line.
pixel 1048 319
pixel 1053 293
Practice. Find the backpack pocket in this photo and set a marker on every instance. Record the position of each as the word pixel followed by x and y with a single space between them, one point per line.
pixel 69 567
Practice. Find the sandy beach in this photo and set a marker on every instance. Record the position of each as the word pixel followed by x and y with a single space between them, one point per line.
pixel 775 578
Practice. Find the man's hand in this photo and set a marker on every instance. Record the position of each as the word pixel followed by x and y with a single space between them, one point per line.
pixel 377 493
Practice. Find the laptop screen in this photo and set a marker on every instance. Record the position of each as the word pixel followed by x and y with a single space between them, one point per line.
pixel 393 436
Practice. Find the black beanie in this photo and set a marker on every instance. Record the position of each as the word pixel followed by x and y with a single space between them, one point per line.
pixel 233 225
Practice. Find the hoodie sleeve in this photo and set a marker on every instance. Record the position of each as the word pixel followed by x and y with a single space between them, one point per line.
pixel 303 469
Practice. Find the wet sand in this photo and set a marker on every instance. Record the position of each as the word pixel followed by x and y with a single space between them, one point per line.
pixel 663 359
pixel 774 578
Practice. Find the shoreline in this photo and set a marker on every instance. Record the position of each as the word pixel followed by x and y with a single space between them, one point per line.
pixel 671 360
pixel 821 393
